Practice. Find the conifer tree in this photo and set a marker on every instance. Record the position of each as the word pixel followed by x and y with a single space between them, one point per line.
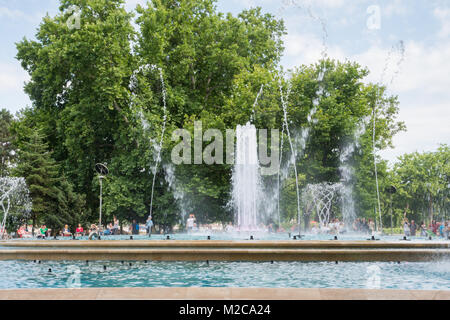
pixel 40 171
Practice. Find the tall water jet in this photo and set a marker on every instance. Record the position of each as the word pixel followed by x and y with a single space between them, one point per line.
pixel 293 153
pixel 246 179
pixel 157 147
pixel 301 137
pixel 398 49
pixel 346 172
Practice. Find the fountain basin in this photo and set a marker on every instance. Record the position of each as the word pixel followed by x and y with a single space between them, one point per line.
pixel 225 254
pixel 156 274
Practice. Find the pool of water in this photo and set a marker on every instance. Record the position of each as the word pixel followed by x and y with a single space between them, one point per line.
pixel 417 276
pixel 256 236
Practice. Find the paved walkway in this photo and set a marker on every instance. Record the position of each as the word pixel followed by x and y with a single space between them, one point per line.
pixel 220 294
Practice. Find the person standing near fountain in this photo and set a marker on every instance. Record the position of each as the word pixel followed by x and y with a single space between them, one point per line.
pixel 190 223
pixel 406 228
pixel 135 228
pixel 149 225
pixel 413 228
pixel 115 228
pixel 372 227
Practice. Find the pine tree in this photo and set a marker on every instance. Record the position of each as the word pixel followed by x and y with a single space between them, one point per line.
pixel 40 171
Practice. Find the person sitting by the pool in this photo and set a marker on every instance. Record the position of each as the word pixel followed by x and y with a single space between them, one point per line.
pixel 79 231
pixel 42 232
pixel 66 231
pixel 108 230
pixel 115 228
pixel 93 232
pixel 26 233
pixel 20 231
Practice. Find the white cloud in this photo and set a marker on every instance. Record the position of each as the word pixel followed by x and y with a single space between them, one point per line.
pixel 396 7
pixel 12 77
pixel 307 49
pixel 6 13
pixel 443 14
pixel 421 81
pixel 427 127
pixel 425 68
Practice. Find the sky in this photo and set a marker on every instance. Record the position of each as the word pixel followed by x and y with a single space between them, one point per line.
pixel 404 43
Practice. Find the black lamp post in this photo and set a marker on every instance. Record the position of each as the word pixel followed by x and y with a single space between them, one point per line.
pixel 102 170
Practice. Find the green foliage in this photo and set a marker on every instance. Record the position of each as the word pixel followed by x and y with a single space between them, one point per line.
pixel 422 181
pixel 54 201
pixel 40 171
pixel 7 149
pixel 213 66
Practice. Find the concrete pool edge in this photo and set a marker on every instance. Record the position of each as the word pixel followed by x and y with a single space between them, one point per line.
pixel 366 244
pixel 201 293
pixel 227 254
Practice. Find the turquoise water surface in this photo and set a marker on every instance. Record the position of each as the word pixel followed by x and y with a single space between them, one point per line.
pixel 65 274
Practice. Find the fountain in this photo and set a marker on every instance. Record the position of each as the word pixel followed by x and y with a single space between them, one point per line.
pixel 14 194
pixel 246 179
pixel 157 147
pixel 284 103
pixel 320 197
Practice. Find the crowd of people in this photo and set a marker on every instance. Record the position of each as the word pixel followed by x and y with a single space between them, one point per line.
pixel 335 226
pixel 113 228
pixel 434 229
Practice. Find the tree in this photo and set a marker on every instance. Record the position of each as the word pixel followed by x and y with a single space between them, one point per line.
pixel 422 181
pixel 79 86
pixel 7 149
pixel 98 97
pixel 330 102
pixel 40 171
pixel 202 53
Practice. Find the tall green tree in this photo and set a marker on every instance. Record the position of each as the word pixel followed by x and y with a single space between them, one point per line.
pixel 202 52
pixel 7 148
pixel 79 85
pixel 422 181
pixel 40 171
